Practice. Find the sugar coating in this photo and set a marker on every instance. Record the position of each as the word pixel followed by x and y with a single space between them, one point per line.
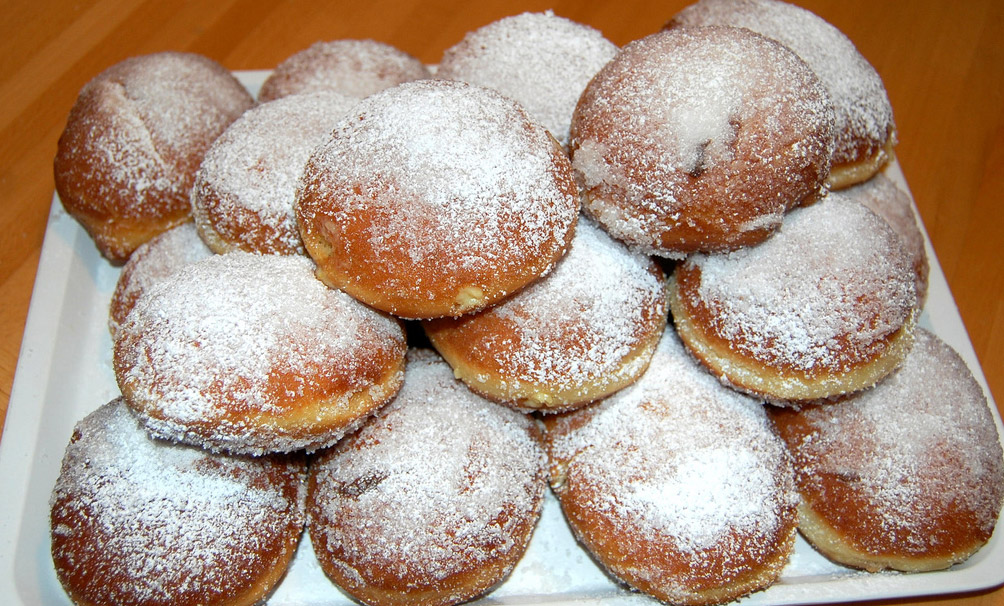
pixel 820 295
pixel 440 482
pixel 541 60
pixel 690 119
pixel 682 467
pixel 861 107
pixel 210 345
pixel 155 523
pixel 356 68
pixel 919 448
pixel 246 186
pixel 151 262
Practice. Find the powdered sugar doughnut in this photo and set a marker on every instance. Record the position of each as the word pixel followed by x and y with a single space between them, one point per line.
pixel 151 262
pixel 700 139
pixel 539 59
pixel 246 186
pixel 250 353
pixel 138 521
pixel 436 198
pixel 909 475
pixel 824 308
pixel 127 158
pixel 865 132
pixel 433 501
pixel 676 484
pixel 356 68
pixel 582 332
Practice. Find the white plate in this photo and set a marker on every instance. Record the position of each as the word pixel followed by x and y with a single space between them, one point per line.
pixel 64 372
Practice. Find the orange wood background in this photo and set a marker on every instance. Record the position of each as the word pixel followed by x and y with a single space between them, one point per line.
pixel 942 62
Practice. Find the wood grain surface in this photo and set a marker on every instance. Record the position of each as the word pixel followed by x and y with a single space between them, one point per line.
pixel 942 63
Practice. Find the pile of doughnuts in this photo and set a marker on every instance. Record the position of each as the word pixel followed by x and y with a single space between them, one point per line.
pixel 387 305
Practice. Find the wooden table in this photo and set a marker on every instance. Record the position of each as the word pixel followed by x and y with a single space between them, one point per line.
pixel 942 63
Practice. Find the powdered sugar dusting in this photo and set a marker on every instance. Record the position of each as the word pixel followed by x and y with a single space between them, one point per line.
pixel 920 445
pixel 154 522
pixel 356 68
pixel 440 482
pixel 246 186
pixel 539 59
pixel 819 295
pixel 861 107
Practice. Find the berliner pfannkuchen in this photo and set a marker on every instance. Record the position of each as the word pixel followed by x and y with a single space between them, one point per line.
pixel 356 68
pixel 250 353
pixel 139 521
pixel 825 307
pixel 677 485
pixel 908 475
pixel 151 262
pixel 126 161
pixel 433 501
pixel 700 139
pixel 541 60
pixel 582 332
pixel 865 131
pixel 436 198
pixel 246 185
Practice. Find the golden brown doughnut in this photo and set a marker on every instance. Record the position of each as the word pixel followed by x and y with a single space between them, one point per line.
pixel 139 521
pixel 908 475
pixel 433 501
pixel 127 158
pixel 824 308
pixel 541 60
pixel 246 185
pixel 676 484
pixel 582 332
pixel 700 139
pixel 436 198
pixel 865 132
pixel 249 354
pixel 355 68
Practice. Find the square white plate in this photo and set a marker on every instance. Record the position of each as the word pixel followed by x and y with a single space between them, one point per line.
pixel 64 372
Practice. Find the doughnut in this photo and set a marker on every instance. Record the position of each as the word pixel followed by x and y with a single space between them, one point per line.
pixel 126 160
pixel 700 139
pixel 355 68
pixel 541 60
pixel 139 521
pixel 246 185
pixel 249 354
pixel 824 308
pixel 676 484
pixel 865 133
pixel 907 476
pixel 433 501
pixel 582 332
pixel 887 200
pixel 151 262
pixel 436 198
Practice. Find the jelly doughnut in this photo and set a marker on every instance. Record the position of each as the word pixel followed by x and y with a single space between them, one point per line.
pixel 355 68
pixel 246 186
pixel 825 307
pixel 126 161
pixel 906 476
pixel 865 132
pixel 700 139
pixel 541 60
pixel 433 501
pixel 582 332
pixel 250 353
pixel 436 198
pixel 141 521
pixel 676 484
